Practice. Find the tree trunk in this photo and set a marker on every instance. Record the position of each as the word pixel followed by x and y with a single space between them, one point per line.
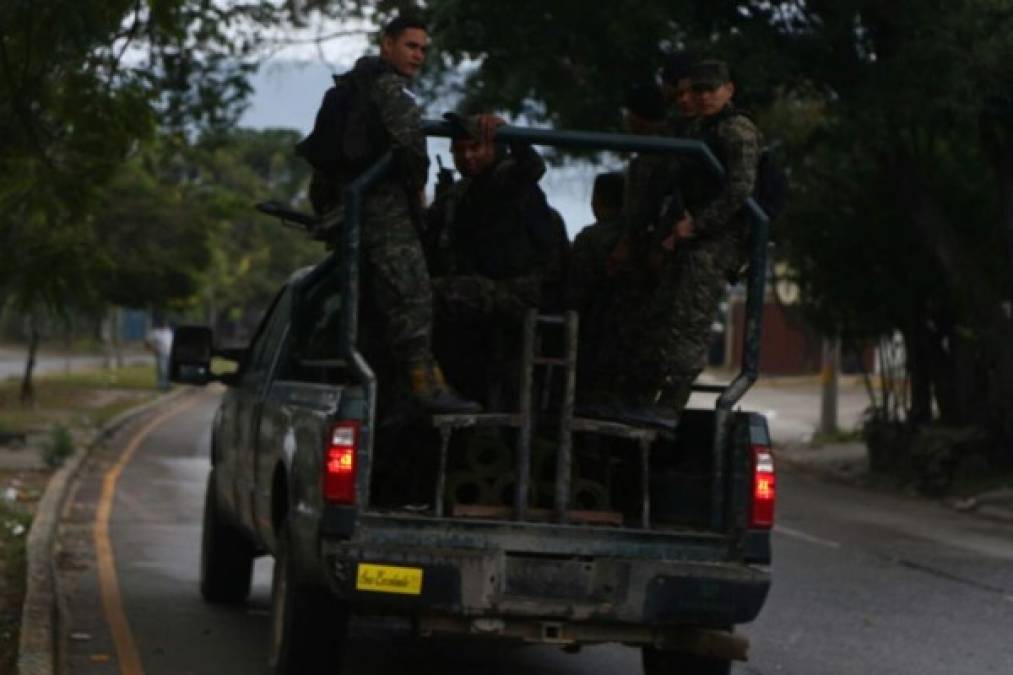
pixel 830 378
pixel 116 342
pixel 919 371
pixel 27 383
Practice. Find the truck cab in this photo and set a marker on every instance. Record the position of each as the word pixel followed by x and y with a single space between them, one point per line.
pixel 564 530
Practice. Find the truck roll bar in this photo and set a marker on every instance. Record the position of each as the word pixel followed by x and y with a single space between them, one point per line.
pixel 729 394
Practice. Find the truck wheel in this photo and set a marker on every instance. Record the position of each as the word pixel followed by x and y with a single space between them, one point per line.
pixel 308 625
pixel 226 556
pixel 659 662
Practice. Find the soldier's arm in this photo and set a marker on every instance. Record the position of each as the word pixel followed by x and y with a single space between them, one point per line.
pixel 649 181
pixel 402 120
pixel 741 144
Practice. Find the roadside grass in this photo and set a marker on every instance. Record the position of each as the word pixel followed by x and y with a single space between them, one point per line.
pixel 87 398
pixel 65 403
pixel 19 492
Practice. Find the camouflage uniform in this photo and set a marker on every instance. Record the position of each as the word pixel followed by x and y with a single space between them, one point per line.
pixel 703 264
pixel 666 301
pixel 395 274
pixel 626 364
pixel 490 263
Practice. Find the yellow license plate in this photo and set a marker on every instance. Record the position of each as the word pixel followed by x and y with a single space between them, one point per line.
pixel 389 579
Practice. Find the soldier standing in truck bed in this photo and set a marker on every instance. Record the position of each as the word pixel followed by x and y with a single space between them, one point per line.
pixel 711 245
pixel 625 377
pixel 588 287
pixel 382 115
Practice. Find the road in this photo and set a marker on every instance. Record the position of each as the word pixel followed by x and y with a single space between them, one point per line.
pixel 864 583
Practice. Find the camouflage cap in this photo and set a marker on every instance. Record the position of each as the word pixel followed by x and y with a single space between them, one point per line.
pixel 711 74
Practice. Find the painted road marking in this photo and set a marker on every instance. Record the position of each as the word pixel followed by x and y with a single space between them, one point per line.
pixel 126 648
pixel 812 539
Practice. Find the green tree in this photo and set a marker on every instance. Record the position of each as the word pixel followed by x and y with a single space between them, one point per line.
pixel 82 83
pixel 896 119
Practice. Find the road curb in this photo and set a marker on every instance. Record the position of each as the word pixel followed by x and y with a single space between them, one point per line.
pixel 38 645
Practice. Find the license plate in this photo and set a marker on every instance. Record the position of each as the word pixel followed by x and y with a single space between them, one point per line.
pixel 389 579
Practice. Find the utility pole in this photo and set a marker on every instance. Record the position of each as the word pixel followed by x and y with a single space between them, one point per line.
pixel 829 376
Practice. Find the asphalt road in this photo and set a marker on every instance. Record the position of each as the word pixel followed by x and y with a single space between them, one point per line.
pixel 864 583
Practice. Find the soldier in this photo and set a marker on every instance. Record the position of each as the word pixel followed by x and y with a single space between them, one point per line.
pixel 494 250
pixel 588 288
pixel 384 116
pixel 625 380
pixel 677 88
pixel 709 245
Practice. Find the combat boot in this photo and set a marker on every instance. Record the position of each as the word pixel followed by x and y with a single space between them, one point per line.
pixel 654 415
pixel 431 391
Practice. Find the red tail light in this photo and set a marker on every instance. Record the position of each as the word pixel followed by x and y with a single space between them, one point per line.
pixel 339 463
pixel 761 514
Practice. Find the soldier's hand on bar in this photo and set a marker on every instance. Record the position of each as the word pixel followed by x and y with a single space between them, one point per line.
pixel 681 231
pixel 487 124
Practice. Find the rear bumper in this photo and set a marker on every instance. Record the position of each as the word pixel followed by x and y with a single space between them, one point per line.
pixel 507 580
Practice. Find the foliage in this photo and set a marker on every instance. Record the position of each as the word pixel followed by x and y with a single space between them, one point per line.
pixel 251 254
pixel 896 120
pixel 59 446
pixel 81 83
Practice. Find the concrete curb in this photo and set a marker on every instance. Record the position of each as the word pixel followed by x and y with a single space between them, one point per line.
pixel 39 642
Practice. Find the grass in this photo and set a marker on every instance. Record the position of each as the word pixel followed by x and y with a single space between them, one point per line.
pixel 63 403
pixel 89 398
pixel 15 519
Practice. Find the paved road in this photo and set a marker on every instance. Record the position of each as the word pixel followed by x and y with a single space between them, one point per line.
pixel 864 583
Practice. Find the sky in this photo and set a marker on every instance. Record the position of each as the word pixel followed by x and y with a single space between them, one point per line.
pixel 288 89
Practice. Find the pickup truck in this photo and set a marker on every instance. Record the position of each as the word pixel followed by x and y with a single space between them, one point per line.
pixel 670 555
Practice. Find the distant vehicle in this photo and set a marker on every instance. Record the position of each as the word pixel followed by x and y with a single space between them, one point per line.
pixel 598 532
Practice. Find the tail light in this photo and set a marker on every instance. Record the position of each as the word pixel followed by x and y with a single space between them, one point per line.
pixel 340 463
pixel 761 513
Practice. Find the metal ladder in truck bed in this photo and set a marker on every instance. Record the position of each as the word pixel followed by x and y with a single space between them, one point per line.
pixel 568 424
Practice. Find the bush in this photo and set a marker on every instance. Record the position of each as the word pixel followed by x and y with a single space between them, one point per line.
pixel 59 447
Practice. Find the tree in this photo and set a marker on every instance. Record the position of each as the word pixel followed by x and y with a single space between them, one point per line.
pixel 896 118
pixel 82 83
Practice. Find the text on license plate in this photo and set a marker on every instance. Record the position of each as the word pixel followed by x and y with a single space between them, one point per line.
pixel 389 579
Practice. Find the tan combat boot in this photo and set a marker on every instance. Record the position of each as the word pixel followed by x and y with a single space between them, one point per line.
pixel 431 391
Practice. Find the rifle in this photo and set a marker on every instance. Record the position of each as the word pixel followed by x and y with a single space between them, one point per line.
pixel 444 178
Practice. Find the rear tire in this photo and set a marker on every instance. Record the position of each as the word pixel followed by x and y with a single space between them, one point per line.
pixel 659 662
pixel 226 556
pixel 308 625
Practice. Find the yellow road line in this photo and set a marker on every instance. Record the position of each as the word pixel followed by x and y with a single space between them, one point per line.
pixel 126 649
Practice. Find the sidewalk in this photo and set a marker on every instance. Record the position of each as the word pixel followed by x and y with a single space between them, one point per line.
pixel 792 409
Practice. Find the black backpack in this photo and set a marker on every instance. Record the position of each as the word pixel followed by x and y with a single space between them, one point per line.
pixel 347 136
pixel 771 190
pixel 323 148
